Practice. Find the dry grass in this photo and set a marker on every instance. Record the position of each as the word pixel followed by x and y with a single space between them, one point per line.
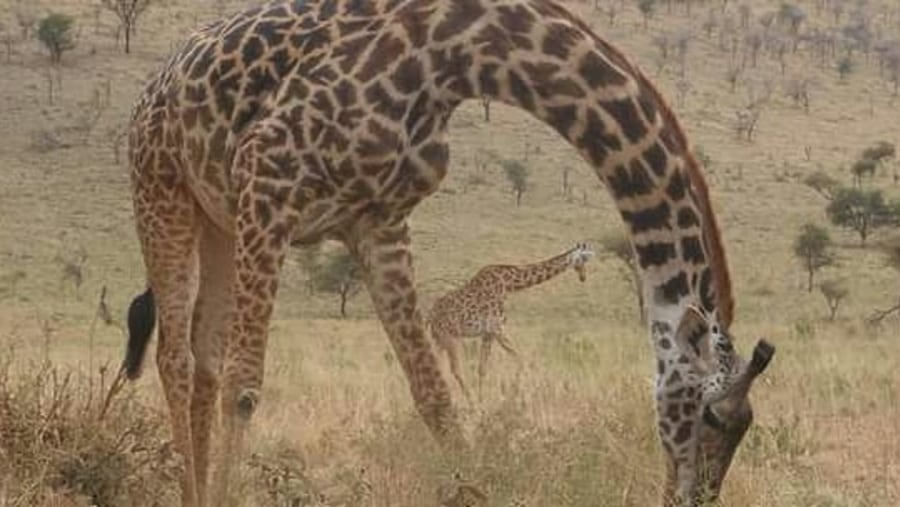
pixel 337 422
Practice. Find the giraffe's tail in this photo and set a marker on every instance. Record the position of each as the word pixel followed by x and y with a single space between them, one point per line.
pixel 141 321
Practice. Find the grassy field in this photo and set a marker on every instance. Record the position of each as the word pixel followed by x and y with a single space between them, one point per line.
pixel 577 428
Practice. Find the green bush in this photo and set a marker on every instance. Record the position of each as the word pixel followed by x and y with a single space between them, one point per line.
pixel 55 32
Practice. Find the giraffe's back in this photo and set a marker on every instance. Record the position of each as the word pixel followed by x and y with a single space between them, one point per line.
pixel 471 310
pixel 192 114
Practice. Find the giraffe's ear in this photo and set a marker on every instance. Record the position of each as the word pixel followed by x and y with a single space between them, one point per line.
pixel 692 336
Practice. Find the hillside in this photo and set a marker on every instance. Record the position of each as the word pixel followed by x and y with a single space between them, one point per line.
pixel 827 411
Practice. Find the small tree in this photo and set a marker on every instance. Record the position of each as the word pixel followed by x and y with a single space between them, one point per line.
pixel 845 66
pixel 308 258
pixel 128 12
pixel 834 292
pixel 517 174
pixel 861 211
pixel 620 246
pixel 27 14
pixel 791 16
pixel 647 8
pixel 339 275
pixel 55 32
pixel 880 151
pixel 486 106
pixel 822 183
pixel 861 168
pixel 892 249
pixel 8 39
pixel 812 248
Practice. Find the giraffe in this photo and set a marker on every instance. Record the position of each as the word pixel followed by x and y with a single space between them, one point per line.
pixel 476 308
pixel 304 120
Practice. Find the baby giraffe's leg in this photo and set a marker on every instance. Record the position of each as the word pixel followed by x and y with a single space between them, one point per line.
pixel 452 347
pixel 485 354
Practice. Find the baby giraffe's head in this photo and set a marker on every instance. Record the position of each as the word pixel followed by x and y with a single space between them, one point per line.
pixel 578 257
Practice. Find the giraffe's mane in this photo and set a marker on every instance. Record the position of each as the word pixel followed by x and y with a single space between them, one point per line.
pixel 700 191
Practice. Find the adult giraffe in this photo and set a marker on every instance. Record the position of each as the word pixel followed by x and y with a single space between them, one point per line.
pixel 304 120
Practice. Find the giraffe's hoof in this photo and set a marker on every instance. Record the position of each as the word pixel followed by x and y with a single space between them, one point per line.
pixel 247 402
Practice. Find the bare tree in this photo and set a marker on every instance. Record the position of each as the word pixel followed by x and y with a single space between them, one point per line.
pixel 797 89
pixel 128 12
pixel 73 267
pixel 710 23
pixel 115 136
pixel 681 43
pixel 611 12
pixel 834 292
pixel 745 12
pixel 27 15
pixel 620 246
pixel 733 75
pixel 8 38
pixel 753 42
pixel 892 249
pixel 682 87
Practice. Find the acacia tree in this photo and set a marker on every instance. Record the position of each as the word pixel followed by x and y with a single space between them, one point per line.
pixel 812 247
pixel 861 168
pixel 55 33
pixel 128 12
pixel 340 275
pixel 647 8
pixel 822 183
pixel 517 174
pixel 861 211
pixel 620 246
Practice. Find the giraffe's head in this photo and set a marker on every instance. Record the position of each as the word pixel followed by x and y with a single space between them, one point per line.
pixel 578 257
pixel 702 401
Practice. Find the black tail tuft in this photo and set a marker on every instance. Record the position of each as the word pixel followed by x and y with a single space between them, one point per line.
pixel 141 320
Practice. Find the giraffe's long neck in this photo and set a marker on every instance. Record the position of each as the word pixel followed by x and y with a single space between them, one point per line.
pixel 516 278
pixel 538 57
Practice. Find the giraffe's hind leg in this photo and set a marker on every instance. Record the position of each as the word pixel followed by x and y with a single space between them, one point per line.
pixel 212 316
pixel 166 217
pixel 487 341
pixel 452 345
pixel 507 345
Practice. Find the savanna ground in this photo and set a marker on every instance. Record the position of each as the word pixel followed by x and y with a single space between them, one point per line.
pixel 337 421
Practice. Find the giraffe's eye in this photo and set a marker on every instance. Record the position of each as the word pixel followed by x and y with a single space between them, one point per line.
pixel 715 329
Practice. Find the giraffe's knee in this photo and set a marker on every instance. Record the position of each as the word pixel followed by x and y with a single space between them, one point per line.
pixel 206 378
pixel 246 403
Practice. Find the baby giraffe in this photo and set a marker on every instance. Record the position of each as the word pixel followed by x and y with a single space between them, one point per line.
pixel 476 308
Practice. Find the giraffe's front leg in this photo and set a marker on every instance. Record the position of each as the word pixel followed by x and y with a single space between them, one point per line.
pixel 385 258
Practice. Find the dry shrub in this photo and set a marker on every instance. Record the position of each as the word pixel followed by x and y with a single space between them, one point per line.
pixel 54 446
pixel 598 457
